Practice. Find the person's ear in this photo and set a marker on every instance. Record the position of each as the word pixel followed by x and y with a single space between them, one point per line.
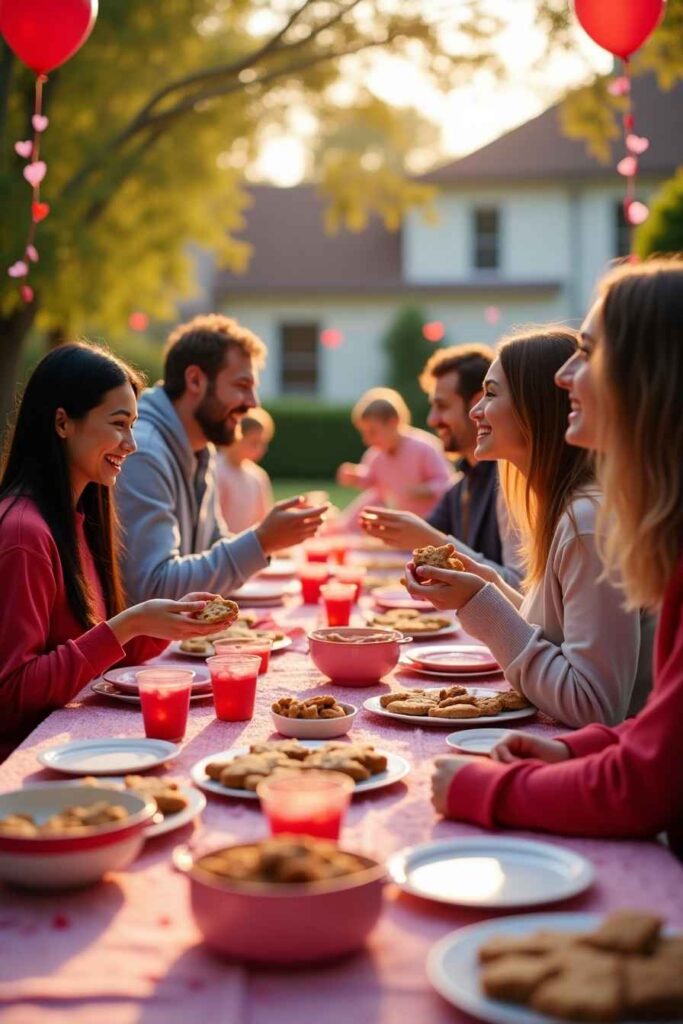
pixel 62 423
pixel 195 381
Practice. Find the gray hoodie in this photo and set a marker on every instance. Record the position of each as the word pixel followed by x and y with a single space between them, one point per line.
pixel 174 536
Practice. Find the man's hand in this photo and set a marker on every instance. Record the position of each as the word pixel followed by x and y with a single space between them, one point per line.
pixel 288 523
pixel 403 530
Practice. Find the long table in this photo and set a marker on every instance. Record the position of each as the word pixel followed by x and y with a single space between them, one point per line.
pixel 127 951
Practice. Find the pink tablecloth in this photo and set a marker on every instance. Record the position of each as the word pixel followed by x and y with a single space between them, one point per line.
pixel 127 952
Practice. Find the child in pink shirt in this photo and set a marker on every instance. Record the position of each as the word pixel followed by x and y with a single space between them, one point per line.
pixel 244 489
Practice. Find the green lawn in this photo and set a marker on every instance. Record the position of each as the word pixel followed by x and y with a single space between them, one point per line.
pixel 339 496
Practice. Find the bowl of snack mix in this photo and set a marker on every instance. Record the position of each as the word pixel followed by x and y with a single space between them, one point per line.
pixel 285 900
pixel 312 718
pixel 355 656
pixel 60 835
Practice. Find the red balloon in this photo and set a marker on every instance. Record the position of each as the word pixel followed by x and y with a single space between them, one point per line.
pixel 620 26
pixel 45 33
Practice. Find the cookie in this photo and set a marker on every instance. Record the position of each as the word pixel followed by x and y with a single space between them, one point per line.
pixel 529 945
pixel 442 557
pixel 330 761
pixel 410 706
pixel 512 701
pixel 455 711
pixel 627 931
pixel 198 645
pixel 218 610
pixel 585 988
pixel 489 705
pixel 514 978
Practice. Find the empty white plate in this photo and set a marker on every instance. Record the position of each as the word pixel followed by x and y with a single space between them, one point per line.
pixel 107 756
pixel 475 741
pixel 490 871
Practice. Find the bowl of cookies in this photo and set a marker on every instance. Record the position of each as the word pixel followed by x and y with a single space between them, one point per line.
pixel 312 718
pixel 58 835
pixel 355 655
pixel 285 900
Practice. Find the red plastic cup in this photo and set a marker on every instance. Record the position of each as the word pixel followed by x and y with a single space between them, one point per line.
pixel 165 701
pixel 354 574
pixel 258 646
pixel 339 547
pixel 233 682
pixel 310 803
pixel 316 550
pixel 312 576
pixel 338 598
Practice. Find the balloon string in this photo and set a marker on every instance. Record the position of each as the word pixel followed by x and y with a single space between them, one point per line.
pixel 35 153
pixel 628 124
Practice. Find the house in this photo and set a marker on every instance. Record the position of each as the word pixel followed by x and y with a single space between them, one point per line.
pixel 525 226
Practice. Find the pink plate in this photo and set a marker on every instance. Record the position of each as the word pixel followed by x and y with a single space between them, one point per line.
pixel 396 597
pixel 454 658
pixel 125 679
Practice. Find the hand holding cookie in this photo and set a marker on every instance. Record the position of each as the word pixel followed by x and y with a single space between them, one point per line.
pixel 448 588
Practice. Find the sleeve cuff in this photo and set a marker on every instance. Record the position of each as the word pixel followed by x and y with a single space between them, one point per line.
pixel 248 554
pixel 473 791
pixel 492 618
pixel 100 648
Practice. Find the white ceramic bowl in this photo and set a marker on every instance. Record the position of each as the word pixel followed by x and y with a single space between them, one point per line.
pixel 315 728
pixel 79 857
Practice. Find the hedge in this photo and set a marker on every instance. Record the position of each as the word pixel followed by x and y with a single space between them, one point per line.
pixel 311 439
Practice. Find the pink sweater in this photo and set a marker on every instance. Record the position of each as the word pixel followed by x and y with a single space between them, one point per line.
pixel 416 461
pixel 45 657
pixel 619 782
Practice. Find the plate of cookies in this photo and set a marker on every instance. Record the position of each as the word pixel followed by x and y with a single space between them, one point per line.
pixel 202 646
pixel 549 968
pixel 441 707
pixel 237 772
pixel 417 624
pixel 177 804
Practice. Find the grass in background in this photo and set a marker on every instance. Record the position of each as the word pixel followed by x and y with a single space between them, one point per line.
pixel 339 496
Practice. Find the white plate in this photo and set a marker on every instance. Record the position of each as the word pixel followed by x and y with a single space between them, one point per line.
pixel 279 568
pixel 390 598
pixel 278 645
pixel 108 756
pixel 475 741
pixel 126 679
pixel 265 591
pixel 490 871
pixel 453 967
pixel 373 705
pixel 106 689
pixel 397 768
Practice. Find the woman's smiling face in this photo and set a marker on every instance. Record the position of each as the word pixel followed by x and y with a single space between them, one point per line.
pixel 97 444
pixel 499 433
pixel 578 377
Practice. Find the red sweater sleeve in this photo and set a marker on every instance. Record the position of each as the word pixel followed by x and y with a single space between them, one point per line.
pixel 32 679
pixel 142 649
pixel 621 782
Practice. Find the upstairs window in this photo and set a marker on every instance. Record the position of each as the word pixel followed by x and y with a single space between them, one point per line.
pixel 486 254
pixel 299 358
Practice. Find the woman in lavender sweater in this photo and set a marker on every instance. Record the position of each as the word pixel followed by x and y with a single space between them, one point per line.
pixel 566 642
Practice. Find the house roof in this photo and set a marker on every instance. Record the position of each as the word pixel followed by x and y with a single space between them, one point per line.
pixel 538 148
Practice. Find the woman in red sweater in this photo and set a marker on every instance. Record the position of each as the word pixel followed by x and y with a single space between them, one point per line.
pixel 63 618
pixel 626 401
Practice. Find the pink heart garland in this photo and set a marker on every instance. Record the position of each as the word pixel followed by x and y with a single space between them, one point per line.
pixel 35 172
pixel 32 253
pixel 619 87
pixel 637 144
pixel 628 166
pixel 26 293
pixel 18 269
pixel 637 212
pixel 24 148
pixel 39 122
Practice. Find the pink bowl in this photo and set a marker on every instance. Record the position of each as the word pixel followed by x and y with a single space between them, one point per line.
pixel 285 924
pixel 355 664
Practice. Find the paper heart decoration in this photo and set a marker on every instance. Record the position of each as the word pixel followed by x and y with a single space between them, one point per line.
pixel 26 293
pixel 637 212
pixel 39 122
pixel 39 211
pixel 637 144
pixel 18 269
pixel 24 148
pixel 32 253
pixel 492 314
pixel 35 172
pixel 433 331
pixel 619 87
pixel 628 166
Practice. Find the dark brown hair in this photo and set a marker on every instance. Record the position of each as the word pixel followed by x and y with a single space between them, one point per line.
pixel 205 342
pixel 470 362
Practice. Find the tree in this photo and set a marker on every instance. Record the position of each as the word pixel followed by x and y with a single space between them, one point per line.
pixel 153 125
pixel 407 352
pixel 662 232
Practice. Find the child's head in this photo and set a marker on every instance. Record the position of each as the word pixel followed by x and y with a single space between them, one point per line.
pixel 255 433
pixel 380 416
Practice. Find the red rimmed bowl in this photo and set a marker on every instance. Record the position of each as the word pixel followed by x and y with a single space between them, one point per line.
pixel 272 923
pixel 77 857
pixel 355 664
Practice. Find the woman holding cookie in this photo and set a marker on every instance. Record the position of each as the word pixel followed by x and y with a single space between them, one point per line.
pixel 550 640
pixel 625 385
pixel 64 620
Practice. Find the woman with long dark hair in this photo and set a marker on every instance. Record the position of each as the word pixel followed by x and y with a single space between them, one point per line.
pixel 64 618
pixel 550 640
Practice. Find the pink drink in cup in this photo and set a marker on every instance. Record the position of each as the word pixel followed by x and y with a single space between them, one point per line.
pixel 338 598
pixel 258 646
pixel 310 803
pixel 316 550
pixel 233 682
pixel 165 701
pixel 354 574
pixel 312 576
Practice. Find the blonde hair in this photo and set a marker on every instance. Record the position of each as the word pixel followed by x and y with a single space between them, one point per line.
pixel 557 471
pixel 639 380
pixel 258 419
pixel 381 404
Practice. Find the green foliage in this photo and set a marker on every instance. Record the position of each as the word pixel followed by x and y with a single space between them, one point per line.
pixel 311 439
pixel 662 232
pixel 407 352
